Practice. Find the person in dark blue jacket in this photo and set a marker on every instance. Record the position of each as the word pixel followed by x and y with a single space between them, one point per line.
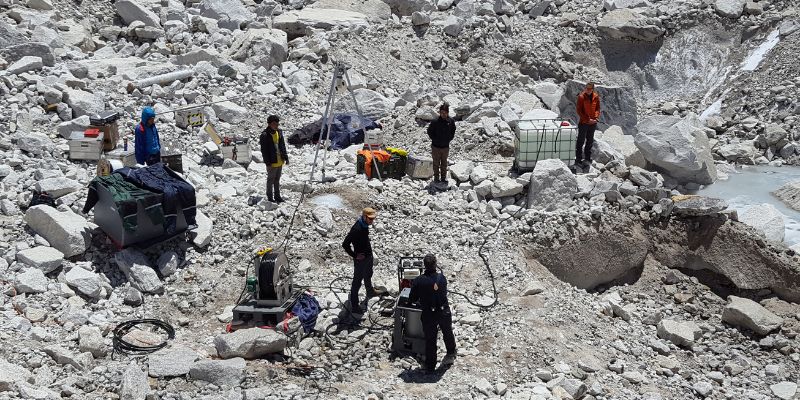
pixel 148 146
pixel 429 290
pixel 359 247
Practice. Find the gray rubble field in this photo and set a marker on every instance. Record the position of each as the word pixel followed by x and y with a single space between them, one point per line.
pixel 612 284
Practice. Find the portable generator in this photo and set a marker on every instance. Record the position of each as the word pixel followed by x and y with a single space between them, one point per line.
pixel 408 338
pixel 269 293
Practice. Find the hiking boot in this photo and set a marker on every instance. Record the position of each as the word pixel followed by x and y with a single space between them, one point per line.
pixel 586 163
pixel 271 198
pixel 449 359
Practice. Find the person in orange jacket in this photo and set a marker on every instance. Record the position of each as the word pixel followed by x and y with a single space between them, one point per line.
pixel 588 107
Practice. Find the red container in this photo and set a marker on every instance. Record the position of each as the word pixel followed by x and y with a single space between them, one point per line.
pixel 91 133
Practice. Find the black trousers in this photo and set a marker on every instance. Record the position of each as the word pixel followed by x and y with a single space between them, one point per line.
pixel 362 271
pixel 273 182
pixel 585 135
pixel 153 159
pixel 432 321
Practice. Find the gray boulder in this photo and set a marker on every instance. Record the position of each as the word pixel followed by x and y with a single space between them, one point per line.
pixel 523 101
pixel 408 7
pixel 603 152
pixel 625 23
pixel 552 186
pixel 784 390
pixel 25 64
pixel 63 356
pixel 260 47
pixel 679 333
pixel 678 147
pixel 624 144
pixel 219 372
pixel 746 313
pixel 373 104
pixel 453 26
pixel 697 206
pixel 35 143
pixel 12 374
pixel 767 219
pixel 176 361
pixel 90 340
pixel 611 5
pixel 790 194
pixel 84 282
pixel 66 128
pixel 84 103
pixel 230 112
pixel 36 49
pixel 505 186
pixel 132 10
pixel 461 170
pixel 136 267
pixel 201 236
pixel 730 8
pixel 249 343
pixel 617 105
pixel 66 231
pixel 46 259
pixel 168 263
pixel 57 187
pixel 134 385
pixel 550 94
pixel 230 14
pixel 30 280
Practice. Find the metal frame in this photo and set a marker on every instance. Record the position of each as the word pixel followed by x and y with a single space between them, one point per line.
pixel 339 74
pixel 541 129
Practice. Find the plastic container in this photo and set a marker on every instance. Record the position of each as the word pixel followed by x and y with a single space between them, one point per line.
pixel 542 139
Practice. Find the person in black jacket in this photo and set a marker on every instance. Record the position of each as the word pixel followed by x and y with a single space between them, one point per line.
pixel 430 290
pixel 273 148
pixel 441 132
pixel 358 246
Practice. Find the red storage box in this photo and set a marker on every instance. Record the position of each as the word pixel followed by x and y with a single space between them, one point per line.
pixel 91 133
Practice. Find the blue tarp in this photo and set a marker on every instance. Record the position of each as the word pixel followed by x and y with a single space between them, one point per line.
pixel 347 129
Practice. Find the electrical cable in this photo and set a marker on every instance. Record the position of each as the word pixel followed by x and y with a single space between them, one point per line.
pixel 125 347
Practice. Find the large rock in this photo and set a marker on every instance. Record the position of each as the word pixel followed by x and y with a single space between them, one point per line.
pixel 249 343
pixel 35 49
pixel 12 374
pixel 461 170
pixel 790 194
pixel 35 143
pixel 134 385
pixel 550 94
pixel 230 14
pixel 230 112
pixel 65 231
pixel 30 280
pixel 84 103
pixel 524 100
pixel 603 152
pixel 375 10
pixel 66 128
pixel 730 8
pixel 784 390
pixel 57 187
pixel 90 340
pixel 407 7
pixel 767 219
pixel 453 26
pixel 746 313
pixel 624 144
pixel 678 147
pixel 63 356
pixel 201 236
pixel 43 258
pixel 168 263
pixel 176 361
pixel 373 104
pixel 596 257
pixel 25 64
pixel 697 206
pixel 84 282
pixel 617 105
pixel 611 5
pixel 625 23
pixel 679 333
pixel 132 10
pixel 295 22
pixel 552 186
pixel 136 267
pixel 219 372
pixel 505 186
pixel 260 47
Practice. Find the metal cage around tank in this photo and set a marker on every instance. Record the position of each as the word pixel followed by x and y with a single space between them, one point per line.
pixel 542 139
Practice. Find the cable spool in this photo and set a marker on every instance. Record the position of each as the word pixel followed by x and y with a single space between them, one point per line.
pixel 119 344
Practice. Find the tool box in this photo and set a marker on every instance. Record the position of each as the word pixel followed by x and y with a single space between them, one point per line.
pixel 82 147
pixel 419 167
pixel 173 160
pixel 126 157
pixel 106 122
pixel 91 133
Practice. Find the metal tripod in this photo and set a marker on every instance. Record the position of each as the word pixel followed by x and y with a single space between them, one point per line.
pixel 339 74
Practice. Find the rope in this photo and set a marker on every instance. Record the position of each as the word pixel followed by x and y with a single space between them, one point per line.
pixel 124 347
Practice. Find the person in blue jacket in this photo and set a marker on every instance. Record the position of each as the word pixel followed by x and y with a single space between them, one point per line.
pixel 148 146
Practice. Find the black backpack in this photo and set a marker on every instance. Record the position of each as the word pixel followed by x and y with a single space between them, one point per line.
pixel 42 198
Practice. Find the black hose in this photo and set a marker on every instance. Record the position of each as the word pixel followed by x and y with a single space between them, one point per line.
pixel 122 329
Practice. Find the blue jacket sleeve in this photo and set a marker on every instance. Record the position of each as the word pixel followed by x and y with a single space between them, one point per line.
pixel 140 145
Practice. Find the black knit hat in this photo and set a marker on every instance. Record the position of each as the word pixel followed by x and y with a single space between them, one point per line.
pixel 273 118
